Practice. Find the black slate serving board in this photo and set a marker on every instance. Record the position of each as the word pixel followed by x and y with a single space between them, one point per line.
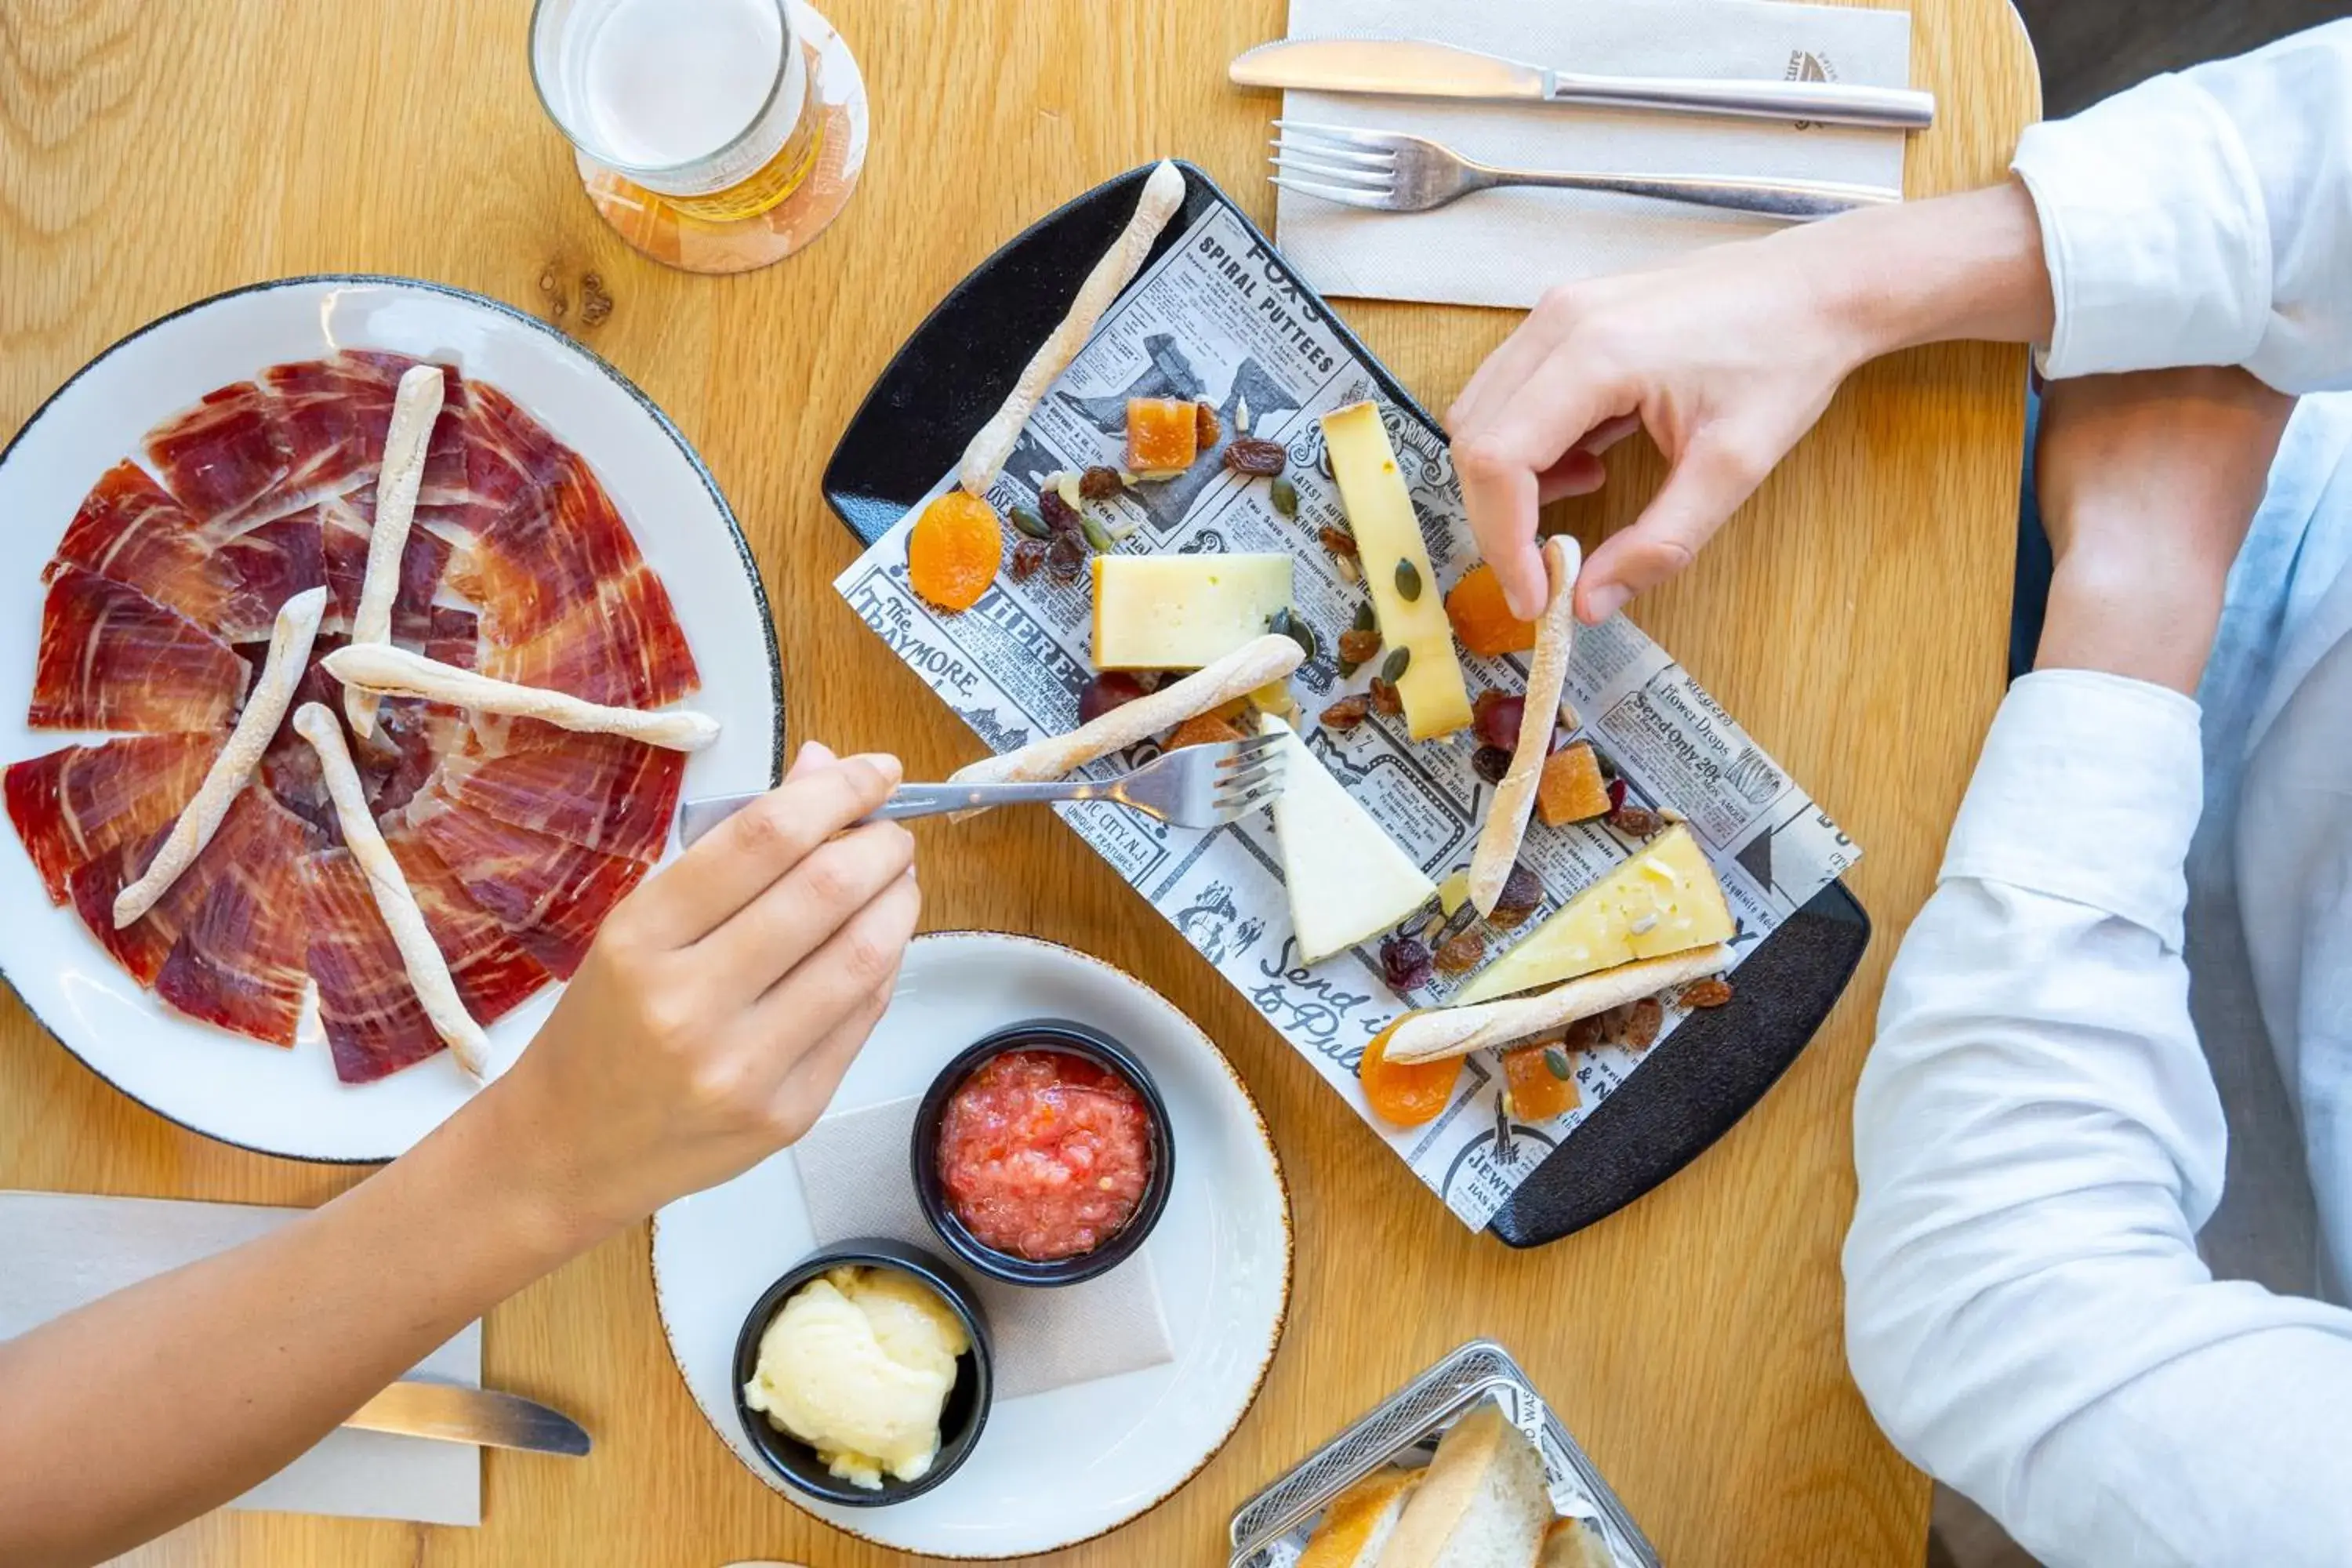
pixel 954 372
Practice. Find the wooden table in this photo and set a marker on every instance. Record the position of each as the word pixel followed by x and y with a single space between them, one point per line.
pixel 1854 618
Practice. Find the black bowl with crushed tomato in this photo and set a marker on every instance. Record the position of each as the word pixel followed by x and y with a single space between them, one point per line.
pixel 1041 1153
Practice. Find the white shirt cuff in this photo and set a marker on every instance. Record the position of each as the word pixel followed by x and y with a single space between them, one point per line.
pixel 2088 790
pixel 2154 230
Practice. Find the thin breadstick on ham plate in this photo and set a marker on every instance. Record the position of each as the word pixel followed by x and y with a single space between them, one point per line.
pixel 414 407
pixel 264 709
pixel 1458 1031
pixel 394 671
pixel 428 972
pixel 1515 797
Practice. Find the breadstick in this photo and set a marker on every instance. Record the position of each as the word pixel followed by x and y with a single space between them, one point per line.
pixel 414 407
pixel 1515 797
pixel 265 707
pixel 1163 194
pixel 1458 1031
pixel 394 671
pixel 428 972
pixel 1255 663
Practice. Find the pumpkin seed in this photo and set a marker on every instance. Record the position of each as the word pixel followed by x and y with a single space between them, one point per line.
pixel 1097 535
pixel 1026 519
pixel 1278 623
pixel 1366 619
pixel 1393 670
pixel 1408 580
pixel 1556 1061
pixel 1285 496
pixel 1286 623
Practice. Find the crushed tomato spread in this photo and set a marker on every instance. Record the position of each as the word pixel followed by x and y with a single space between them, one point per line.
pixel 1045 1154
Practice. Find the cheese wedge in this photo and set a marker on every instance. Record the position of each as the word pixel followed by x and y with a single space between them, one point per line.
pixel 1181 612
pixel 1347 877
pixel 1665 900
pixel 1387 532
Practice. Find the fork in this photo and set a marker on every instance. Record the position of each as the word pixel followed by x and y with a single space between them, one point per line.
pixel 1199 786
pixel 1390 172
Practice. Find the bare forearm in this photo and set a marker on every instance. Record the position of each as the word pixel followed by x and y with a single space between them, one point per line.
pixel 1964 266
pixel 164 1401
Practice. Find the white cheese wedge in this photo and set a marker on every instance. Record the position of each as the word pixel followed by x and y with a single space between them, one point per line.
pixel 1347 877
pixel 1182 612
pixel 1665 900
pixel 1411 608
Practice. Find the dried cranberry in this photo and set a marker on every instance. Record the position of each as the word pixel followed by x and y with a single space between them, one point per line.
pixel 1250 455
pixel 1616 787
pixel 1405 964
pixel 1098 483
pixel 1059 515
pixel 1065 558
pixel 1522 895
pixel 1636 821
pixel 1205 428
pixel 1461 954
pixel 1385 698
pixel 1498 717
pixel 1358 648
pixel 1490 762
pixel 1346 713
pixel 1027 556
pixel 1112 688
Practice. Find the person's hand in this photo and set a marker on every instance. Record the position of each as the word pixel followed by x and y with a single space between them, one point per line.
pixel 2147 484
pixel 1726 359
pixel 721 1001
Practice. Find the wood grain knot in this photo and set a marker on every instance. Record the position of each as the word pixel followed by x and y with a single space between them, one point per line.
pixel 576 302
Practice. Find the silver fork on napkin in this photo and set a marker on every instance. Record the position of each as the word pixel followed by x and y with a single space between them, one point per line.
pixel 1388 171
pixel 1199 786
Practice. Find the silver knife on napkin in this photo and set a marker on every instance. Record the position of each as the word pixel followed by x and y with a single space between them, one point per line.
pixel 1412 68
pixel 453 1413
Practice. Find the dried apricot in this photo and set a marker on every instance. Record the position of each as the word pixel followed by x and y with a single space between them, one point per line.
pixel 1537 1082
pixel 1401 1093
pixel 953 550
pixel 1482 620
pixel 1163 435
pixel 1203 730
pixel 1571 789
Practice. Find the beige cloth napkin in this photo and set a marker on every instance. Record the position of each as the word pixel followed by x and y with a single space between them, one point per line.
pixel 1505 246
pixel 855 1178
pixel 63 1250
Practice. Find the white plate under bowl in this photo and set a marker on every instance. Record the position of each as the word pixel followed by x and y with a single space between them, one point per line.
pixel 289 1102
pixel 1056 1467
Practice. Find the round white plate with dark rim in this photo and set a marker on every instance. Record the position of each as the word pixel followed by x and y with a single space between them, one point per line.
pixel 1061 1467
pixel 289 1102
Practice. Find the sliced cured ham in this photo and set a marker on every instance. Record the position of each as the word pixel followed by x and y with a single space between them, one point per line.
pixel 76 804
pixel 225 460
pixel 453 636
pixel 550 552
pixel 142 946
pixel 601 792
pixel 348 522
pixel 262 568
pixel 332 414
pixel 373 1022
pixel 240 958
pixel 412 737
pixel 112 659
pixel 550 894
pixel 487 454
pixel 494 971
pixel 130 530
pixel 623 649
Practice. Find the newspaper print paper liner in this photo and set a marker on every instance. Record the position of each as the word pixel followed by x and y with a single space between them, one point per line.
pixel 1219 318
pixel 1271 1529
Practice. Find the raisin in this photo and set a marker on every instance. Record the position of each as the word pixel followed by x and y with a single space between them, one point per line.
pixel 1713 992
pixel 1498 716
pixel 1522 896
pixel 1490 762
pixel 1346 713
pixel 1058 514
pixel 1027 556
pixel 1461 954
pixel 1205 428
pixel 1636 821
pixel 1643 1020
pixel 1405 962
pixel 1098 483
pixel 1584 1034
pixel 1112 688
pixel 1285 497
pixel 1065 558
pixel 1250 455
pixel 1358 647
pixel 1385 699
pixel 1339 542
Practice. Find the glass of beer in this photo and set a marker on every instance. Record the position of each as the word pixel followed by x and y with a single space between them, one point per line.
pixel 706 105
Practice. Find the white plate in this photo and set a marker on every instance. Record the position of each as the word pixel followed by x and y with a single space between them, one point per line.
pixel 222 1085
pixel 1055 1467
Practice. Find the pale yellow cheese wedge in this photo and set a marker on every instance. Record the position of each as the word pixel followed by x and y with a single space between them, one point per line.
pixel 1181 612
pixel 1380 513
pixel 1664 900
pixel 1346 878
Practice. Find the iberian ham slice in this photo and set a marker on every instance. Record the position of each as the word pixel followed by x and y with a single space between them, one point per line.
pixel 129 530
pixel 494 971
pixel 550 894
pixel 226 460
pixel 601 792
pixel 112 659
pixel 373 1022
pixel 74 805
pixel 239 961
pixel 623 648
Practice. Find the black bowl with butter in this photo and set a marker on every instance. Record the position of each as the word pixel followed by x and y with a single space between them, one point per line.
pixel 961 1418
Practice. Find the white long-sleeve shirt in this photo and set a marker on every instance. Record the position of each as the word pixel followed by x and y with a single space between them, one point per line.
pixel 2038 1132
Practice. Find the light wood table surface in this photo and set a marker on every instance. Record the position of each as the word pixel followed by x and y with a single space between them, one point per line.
pixel 1853 618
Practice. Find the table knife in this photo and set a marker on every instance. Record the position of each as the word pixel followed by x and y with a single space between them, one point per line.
pixel 453 1413
pixel 1412 69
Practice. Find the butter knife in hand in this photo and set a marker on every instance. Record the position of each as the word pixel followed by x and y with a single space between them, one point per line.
pixel 1411 68
pixel 453 1413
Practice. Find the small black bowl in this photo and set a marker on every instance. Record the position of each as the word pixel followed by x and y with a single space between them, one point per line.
pixel 1074 1039
pixel 961 1419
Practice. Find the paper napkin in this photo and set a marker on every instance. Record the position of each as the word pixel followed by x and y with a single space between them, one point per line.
pixel 1505 246
pixel 65 1249
pixel 855 1178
